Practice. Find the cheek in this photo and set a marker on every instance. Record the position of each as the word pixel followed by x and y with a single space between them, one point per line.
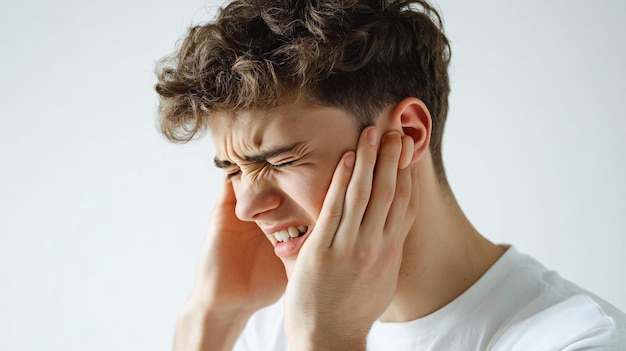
pixel 307 188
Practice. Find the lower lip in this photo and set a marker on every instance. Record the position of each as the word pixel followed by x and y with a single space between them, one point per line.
pixel 290 247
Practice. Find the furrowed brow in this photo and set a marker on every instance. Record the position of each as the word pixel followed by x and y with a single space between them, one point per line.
pixel 261 157
pixel 277 151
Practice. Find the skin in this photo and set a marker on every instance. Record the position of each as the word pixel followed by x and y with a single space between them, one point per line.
pixel 386 240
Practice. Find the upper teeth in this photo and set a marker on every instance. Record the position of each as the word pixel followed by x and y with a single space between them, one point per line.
pixel 291 232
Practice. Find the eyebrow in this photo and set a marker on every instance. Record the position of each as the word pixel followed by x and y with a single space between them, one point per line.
pixel 261 157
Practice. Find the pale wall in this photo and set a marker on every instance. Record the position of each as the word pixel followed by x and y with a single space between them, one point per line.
pixel 101 219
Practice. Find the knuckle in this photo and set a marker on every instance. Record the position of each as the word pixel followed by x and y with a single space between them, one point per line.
pixel 403 191
pixel 370 160
pixel 404 188
pixel 335 212
pixel 367 257
pixel 412 209
pixel 387 195
pixel 395 247
pixel 360 196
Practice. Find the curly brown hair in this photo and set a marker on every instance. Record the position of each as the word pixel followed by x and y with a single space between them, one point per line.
pixel 356 55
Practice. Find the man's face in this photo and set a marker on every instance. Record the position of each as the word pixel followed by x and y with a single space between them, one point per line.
pixel 281 164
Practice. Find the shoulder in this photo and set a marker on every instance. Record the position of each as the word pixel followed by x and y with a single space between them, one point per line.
pixel 557 314
pixel 573 323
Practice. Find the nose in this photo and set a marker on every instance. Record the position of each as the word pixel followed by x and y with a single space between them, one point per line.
pixel 254 198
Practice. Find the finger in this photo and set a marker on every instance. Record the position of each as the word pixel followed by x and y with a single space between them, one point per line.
pixel 332 208
pixel 384 185
pixel 399 213
pixel 406 195
pixel 360 186
pixel 226 195
pixel 407 152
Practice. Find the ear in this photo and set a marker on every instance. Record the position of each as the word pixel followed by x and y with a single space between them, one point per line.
pixel 412 117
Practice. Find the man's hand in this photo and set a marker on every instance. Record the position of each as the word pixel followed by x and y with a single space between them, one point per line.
pixel 239 271
pixel 238 274
pixel 346 273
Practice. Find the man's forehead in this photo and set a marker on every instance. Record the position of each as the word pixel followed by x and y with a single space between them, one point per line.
pixel 247 128
pixel 259 126
pixel 254 122
pixel 252 133
pixel 242 119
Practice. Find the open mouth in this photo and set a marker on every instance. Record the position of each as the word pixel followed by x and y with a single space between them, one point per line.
pixel 290 233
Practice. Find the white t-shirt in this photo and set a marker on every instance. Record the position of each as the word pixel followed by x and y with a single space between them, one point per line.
pixel 516 305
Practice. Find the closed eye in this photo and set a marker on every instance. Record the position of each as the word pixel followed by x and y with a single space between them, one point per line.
pixel 233 173
pixel 237 172
pixel 284 164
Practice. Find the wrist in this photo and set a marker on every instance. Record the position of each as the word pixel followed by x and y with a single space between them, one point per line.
pixel 202 329
pixel 207 305
pixel 202 311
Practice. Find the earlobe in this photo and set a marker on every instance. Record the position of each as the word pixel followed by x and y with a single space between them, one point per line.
pixel 413 117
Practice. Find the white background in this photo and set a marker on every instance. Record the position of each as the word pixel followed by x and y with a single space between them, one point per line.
pixel 101 219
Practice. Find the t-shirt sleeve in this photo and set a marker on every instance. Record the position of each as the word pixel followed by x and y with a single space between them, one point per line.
pixel 576 323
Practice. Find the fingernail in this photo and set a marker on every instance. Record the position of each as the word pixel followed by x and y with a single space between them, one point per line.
pixel 372 136
pixel 349 160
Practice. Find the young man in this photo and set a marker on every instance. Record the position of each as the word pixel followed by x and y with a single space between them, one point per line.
pixel 336 228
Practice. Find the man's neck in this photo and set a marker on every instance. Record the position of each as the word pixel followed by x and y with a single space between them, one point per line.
pixel 443 255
